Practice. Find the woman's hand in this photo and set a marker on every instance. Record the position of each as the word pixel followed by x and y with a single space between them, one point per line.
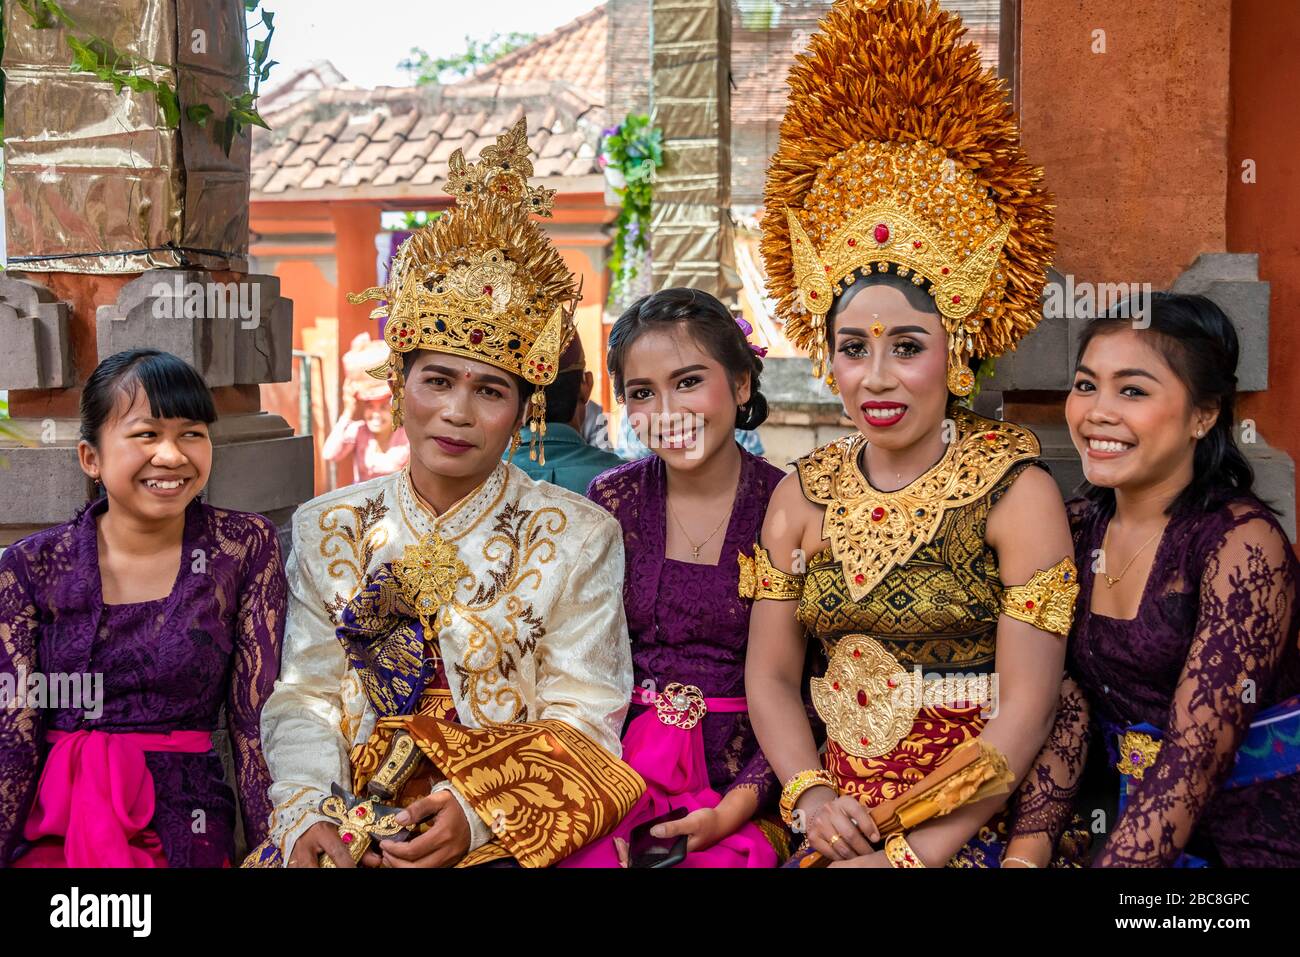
pixel 442 845
pixel 350 399
pixel 703 828
pixel 841 828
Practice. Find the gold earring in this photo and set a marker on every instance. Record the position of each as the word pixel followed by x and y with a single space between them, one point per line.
pixel 961 381
pixel 514 445
pixel 832 384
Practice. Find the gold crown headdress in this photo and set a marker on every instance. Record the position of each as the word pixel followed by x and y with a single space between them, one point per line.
pixel 899 150
pixel 482 281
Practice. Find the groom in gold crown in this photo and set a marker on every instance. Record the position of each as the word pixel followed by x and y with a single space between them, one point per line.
pixel 456 665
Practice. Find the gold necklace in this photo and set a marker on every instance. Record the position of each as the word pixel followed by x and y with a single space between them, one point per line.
pixel 695 549
pixel 1112 582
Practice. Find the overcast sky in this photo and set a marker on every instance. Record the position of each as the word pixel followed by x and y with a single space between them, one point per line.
pixel 367 40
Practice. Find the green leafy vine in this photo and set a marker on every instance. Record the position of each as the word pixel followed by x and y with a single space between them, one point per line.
pixel 630 153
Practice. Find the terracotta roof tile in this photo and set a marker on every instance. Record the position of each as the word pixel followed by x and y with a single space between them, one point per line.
pixel 574 53
pixel 390 137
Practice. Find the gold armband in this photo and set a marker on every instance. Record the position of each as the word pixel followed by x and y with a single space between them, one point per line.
pixel 900 854
pixel 1046 601
pixel 759 578
pixel 797 785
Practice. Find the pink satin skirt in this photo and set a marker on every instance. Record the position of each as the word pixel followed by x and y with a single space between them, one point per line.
pixel 672 762
pixel 95 799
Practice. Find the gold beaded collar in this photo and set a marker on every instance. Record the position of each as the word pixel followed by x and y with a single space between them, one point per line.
pixel 872 532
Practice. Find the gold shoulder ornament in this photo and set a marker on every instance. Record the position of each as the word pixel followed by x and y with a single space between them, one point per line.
pixel 760 579
pixel 1046 601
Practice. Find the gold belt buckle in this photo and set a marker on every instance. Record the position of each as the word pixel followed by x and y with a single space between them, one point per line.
pixel 867 699
pixel 1137 752
pixel 680 706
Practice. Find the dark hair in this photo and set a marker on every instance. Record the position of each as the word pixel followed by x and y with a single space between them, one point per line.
pixel 525 388
pixel 714 328
pixel 1200 345
pixel 174 389
pixel 562 396
pixel 917 295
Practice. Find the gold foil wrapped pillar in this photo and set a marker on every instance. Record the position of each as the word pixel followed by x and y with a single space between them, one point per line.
pixel 691 242
pixel 95 181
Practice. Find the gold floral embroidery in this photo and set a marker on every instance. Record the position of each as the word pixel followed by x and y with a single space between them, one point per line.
pixel 544 789
pixel 362 537
pixel 523 541
pixel 872 532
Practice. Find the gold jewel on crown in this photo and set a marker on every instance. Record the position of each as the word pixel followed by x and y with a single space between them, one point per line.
pixel 883 205
pixel 482 281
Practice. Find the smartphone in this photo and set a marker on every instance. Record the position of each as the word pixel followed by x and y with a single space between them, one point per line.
pixel 646 850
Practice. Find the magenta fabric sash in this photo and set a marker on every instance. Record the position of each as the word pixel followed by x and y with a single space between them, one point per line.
pixel 96 798
pixel 672 761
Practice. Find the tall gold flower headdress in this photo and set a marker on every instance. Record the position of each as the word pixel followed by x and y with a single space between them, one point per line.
pixel 899 150
pixel 482 281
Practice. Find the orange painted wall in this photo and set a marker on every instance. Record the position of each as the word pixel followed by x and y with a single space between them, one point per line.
pixel 1264 217
pixel 1134 140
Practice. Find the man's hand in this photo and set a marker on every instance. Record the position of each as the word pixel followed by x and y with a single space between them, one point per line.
pixel 442 845
pixel 320 838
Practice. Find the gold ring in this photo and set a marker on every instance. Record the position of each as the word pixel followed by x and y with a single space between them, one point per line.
pixel 833 839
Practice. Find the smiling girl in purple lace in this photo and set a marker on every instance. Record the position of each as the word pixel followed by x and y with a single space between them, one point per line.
pixel 1184 639
pixel 167 609
pixel 689 378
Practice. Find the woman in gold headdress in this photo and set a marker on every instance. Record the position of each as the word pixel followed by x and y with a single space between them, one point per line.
pixel 905 234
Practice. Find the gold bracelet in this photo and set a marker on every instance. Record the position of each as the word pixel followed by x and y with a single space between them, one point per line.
pixel 759 578
pixel 900 854
pixel 1046 601
pixel 801 782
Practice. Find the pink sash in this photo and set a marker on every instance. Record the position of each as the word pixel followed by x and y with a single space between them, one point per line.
pixel 95 799
pixel 673 764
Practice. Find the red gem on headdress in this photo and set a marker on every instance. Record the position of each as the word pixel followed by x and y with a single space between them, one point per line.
pixel 487 290
pixel 857 652
pixel 892 683
pixel 862 698
pixel 859 578
pixel 812 295
pixel 916 244
pixel 990 436
pixel 877 514
pixel 853 242
pixel 881 232
pixel 476 336
pixel 956 298
pixel 944 270
pixel 767 582
pixel 361 812
pixel 835 685
pixel 1030 604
